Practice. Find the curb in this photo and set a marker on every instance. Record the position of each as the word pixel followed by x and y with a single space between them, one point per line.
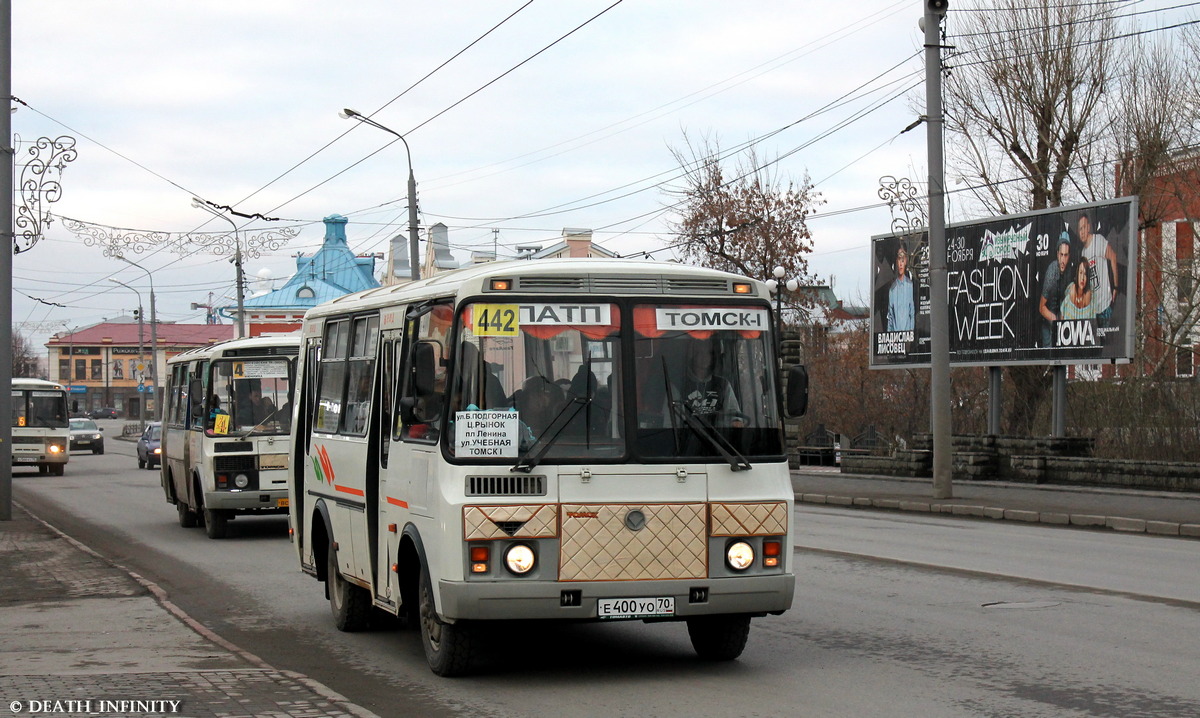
pixel 179 614
pixel 1053 518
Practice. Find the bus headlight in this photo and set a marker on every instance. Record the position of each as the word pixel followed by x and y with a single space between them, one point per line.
pixel 739 556
pixel 519 559
pixel 55 449
pixel 241 481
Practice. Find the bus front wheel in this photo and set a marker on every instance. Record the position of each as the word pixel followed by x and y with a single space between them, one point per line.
pixel 447 645
pixel 719 638
pixel 216 523
pixel 350 604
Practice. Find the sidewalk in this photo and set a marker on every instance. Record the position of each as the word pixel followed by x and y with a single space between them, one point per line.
pixel 1154 512
pixel 80 636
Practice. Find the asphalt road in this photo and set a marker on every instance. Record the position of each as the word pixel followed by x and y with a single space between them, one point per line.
pixel 895 615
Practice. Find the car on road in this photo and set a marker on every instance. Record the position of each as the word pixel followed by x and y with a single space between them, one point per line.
pixel 86 435
pixel 149 446
pixel 105 413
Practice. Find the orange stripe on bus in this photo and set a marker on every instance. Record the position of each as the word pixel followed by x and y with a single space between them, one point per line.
pixel 397 502
pixel 348 490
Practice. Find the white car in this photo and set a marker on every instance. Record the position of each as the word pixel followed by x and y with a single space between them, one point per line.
pixel 86 435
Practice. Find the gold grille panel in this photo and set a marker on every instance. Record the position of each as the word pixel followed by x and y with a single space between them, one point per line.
pixel 483 522
pixel 763 519
pixel 598 546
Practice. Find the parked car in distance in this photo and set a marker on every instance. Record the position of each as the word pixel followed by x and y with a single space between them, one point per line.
pixel 149 446
pixel 86 435
pixel 105 413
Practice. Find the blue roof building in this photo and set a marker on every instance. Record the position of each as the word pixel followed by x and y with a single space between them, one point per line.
pixel 333 271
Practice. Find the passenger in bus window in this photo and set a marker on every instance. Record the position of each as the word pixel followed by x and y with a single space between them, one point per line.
pixel 538 402
pixel 261 407
pixel 214 407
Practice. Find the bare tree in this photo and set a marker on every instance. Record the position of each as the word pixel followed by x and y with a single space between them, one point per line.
pixel 743 218
pixel 24 356
pixel 1027 95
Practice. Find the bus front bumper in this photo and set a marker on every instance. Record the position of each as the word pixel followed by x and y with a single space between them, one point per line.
pixel 255 500
pixel 480 600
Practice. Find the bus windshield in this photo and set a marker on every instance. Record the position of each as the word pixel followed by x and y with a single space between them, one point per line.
pixel 704 382
pixel 538 377
pixel 41 409
pixel 250 396
pixel 550 381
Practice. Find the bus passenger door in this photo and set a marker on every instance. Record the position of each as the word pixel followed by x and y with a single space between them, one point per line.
pixel 385 538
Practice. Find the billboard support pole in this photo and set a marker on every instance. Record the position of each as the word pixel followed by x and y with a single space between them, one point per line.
pixel 1059 411
pixel 995 402
pixel 939 324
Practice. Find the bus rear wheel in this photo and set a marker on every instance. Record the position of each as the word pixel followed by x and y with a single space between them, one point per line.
pixel 719 638
pixel 350 604
pixel 187 517
pixel 447 645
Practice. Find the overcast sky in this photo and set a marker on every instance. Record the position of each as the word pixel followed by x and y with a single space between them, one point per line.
pixel 222 100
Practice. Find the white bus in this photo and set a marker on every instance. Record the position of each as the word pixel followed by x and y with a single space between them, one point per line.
pixel 226 423
pixel 41 434
pixel 576 439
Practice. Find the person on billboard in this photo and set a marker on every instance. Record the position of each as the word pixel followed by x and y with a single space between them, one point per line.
pixel 902 311
pixel 1079 302
pixel 1054 286
pixel 1102 266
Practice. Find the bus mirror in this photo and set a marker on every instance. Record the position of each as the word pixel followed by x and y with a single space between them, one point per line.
pixel 797 390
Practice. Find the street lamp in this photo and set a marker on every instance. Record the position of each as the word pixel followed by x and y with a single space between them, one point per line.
pixel 153 329
pixel 349 114
pixel 141 349
pixel 237 262
pixel 776 287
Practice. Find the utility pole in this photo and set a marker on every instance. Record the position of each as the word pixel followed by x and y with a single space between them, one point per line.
pixel 939 326
pixel 6 258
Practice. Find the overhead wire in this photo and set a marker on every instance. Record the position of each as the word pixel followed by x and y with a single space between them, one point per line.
pixel 447 109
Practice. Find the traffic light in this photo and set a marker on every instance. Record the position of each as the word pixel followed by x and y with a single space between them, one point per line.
pixel 937 6
pixel 137 313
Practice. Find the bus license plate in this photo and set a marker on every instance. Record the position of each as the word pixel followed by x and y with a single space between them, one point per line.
pixel 24 459
pixel 635 607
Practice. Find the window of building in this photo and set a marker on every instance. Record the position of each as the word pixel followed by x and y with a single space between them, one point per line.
pixel 1185 361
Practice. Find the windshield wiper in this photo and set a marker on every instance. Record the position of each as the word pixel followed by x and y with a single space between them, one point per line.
pixel 528 460
pixel 702 428
pixel 259 425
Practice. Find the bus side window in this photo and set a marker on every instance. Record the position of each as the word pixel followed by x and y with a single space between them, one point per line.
pixel 422 398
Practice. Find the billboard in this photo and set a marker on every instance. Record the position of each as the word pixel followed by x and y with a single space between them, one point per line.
pixel 1047 287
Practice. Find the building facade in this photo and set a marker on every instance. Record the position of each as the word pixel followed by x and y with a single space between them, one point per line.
pixel 109 364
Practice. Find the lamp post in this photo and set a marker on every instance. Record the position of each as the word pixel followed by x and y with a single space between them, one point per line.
pixel 141 349
pixel 348 114
pixel 153 330
pixel 237 262
pixel 776 286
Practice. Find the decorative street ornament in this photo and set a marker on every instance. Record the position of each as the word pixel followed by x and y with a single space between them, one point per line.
pixel 117 241
pixel 252 245
pixel 901 194
pixel 40 187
